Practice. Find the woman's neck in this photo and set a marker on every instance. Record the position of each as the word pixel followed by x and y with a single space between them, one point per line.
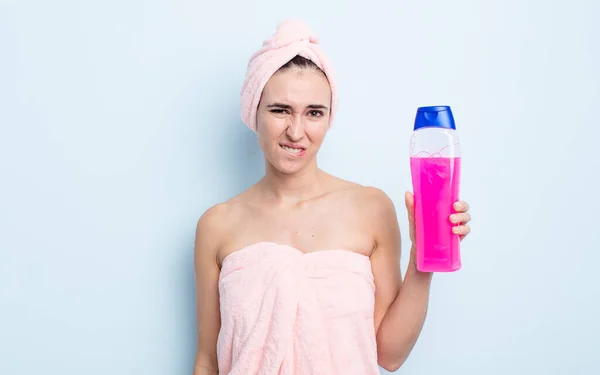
pixel 293 188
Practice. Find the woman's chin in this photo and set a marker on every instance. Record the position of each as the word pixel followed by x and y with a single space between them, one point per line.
pixel 287 167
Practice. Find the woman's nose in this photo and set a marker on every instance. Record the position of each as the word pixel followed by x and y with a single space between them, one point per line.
pixel 295 130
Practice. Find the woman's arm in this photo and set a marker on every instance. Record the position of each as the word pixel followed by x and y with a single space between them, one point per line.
pixel 207 293
pixel 400 305
pixel 402 321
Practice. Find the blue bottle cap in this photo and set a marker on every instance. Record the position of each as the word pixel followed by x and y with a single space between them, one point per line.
pixel 435 116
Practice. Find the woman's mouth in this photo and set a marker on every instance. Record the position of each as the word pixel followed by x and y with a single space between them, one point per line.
pixel 292 150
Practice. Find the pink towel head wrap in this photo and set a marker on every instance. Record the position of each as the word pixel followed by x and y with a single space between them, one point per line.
pixel 291 38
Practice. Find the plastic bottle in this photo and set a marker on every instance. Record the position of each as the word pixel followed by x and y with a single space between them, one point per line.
pixel 435 163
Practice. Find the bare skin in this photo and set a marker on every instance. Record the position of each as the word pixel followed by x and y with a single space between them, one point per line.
pixel 298 204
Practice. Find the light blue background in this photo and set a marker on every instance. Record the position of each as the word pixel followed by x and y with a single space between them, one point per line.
pixel 119 126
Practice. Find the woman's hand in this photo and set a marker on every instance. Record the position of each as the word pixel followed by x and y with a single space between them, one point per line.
pixel 461 217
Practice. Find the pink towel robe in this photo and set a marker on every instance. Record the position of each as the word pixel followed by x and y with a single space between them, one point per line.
pixel 284 312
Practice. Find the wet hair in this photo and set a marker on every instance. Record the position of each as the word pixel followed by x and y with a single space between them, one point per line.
pixel 302 63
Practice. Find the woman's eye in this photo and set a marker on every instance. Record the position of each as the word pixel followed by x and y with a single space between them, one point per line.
pixel 316 113
pixel 278 111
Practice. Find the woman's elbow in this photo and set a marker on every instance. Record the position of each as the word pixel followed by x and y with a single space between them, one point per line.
pixel 390 363
pixel 389 366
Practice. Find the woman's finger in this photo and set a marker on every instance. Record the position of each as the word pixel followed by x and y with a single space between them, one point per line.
pixel 461 206
pixel 461 230
pixel 460 218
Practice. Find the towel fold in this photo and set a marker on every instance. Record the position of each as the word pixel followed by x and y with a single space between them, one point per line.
pixel 292 37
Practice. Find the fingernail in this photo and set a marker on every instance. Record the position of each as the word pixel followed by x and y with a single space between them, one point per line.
pixel 453 218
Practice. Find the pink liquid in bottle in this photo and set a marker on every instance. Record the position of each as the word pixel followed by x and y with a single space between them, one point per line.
pixel 436 182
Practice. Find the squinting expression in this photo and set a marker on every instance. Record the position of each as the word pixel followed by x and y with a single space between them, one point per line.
pixel 293 117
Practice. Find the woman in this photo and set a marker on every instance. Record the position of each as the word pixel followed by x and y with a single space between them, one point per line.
pixel 300 274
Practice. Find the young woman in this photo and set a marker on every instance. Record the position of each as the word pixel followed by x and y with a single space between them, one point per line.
pixel 300 274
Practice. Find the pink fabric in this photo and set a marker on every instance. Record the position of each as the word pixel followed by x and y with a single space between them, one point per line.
pixel 284 312
pixel 291 38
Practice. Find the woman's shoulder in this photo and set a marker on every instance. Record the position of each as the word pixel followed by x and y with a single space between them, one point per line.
pixel 365 196
pixel 220 213
pixel 219 216
pixel 373 208
pixel 370 206
pixel 212 220
pixel 214 227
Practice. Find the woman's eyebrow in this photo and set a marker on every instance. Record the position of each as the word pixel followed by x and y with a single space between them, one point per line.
pixel 287 106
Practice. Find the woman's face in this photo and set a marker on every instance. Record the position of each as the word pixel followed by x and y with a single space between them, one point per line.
pixel 293 117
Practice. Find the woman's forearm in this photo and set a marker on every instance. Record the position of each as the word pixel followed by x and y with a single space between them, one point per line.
pixel 404 319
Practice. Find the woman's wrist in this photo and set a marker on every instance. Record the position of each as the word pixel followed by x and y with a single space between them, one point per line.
pixel 412 271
